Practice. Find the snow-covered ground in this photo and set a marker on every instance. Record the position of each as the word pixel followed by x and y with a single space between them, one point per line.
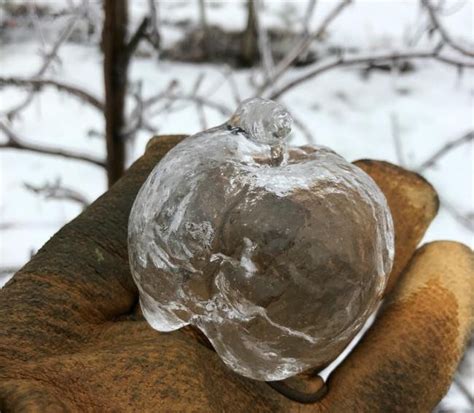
pixel 354 115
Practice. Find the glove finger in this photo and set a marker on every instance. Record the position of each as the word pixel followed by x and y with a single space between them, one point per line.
pixel 413 203
pixel 407 360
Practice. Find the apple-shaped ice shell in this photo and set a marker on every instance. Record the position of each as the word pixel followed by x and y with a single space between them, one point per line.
pixel 280 266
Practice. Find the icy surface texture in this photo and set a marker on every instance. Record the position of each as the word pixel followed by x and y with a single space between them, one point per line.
pixel 278 255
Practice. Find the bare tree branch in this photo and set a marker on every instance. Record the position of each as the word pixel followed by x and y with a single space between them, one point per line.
pixel 154 36
pixel 202 115
pixel 34 18
pixel 308 15
pixel 136 37
pixel 199 104
pixel 447 147
pixel 137 120
pixel 263 42
pixel 170 88
pixel 137 117
pixel 14 142
pixel 229 75
pixel 302 46
pixel 342 61
pixel 204 101
pixel 435 21
pixel 38 84
pixel 310 7
pixel 49 57
pixel 58 192
pixel 170 96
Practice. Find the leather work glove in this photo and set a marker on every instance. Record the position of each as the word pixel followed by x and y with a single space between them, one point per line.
pixel 72 338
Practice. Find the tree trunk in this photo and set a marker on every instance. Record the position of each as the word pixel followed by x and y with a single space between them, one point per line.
pixel 115 80
pixel 249 46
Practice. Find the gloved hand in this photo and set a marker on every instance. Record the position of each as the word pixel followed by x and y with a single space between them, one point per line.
pixel 72 339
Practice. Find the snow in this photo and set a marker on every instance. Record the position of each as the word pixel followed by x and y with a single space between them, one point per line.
pixel 343 110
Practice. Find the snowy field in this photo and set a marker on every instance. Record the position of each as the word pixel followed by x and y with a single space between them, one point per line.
pixel 356 116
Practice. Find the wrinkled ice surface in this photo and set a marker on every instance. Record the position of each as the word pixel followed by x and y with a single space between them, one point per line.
pixel 278 256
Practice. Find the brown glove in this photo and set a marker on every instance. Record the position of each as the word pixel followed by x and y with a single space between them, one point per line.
pixel 72 340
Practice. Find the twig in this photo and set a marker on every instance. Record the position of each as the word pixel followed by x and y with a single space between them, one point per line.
pixel 308 15
pixel 49 57
pixel 168 101
pixel 33 16
pixel 447 147
pixel 361 60
pixel 197 84
pixel 263 43
pixel 136 37
pixel 229 75
pixel 305 29
pixel 199 104
pixel 154 35
pixel 223 109
pixel 329 18
pixel 94 20
pixel 209 103
pixel 395 126
pixel 149 102
pixel 170 95
pixel 442 31
pixel 62 87
pixel 137 118
pixel 302 46
pixel 14 142
pixel 58 192
pixel 201 115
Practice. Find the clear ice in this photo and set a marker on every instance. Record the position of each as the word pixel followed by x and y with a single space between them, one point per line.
pixel 277 254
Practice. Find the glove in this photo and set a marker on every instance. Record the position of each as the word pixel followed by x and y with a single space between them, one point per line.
pixel 73 339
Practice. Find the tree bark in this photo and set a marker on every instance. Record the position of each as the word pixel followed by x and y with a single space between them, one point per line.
pixel 249 46
pixel 115 81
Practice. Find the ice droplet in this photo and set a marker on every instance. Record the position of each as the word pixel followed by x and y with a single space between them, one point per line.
pixel 277 254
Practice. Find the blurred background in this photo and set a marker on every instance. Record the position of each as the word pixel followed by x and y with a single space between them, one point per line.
pixel 85 84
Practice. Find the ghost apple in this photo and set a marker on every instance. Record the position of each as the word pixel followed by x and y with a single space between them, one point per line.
pixel 277 254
